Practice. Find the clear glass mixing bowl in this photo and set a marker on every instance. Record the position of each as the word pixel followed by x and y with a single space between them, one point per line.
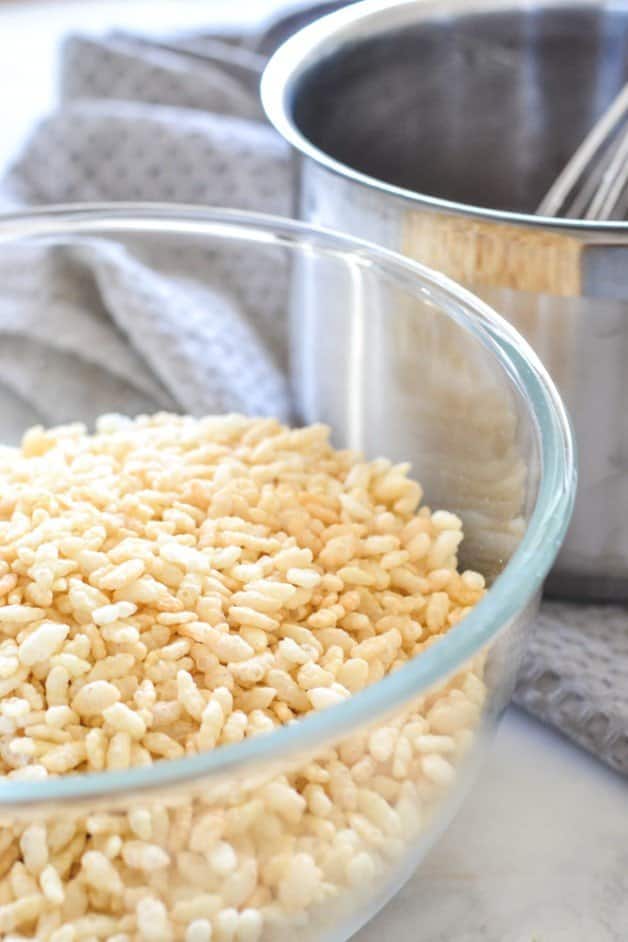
pixel 384 772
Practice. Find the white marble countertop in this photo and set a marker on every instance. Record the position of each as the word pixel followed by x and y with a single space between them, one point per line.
pixel 539 852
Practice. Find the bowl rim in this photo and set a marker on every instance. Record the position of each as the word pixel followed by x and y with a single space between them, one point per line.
pixel 363 20
pixel 511 592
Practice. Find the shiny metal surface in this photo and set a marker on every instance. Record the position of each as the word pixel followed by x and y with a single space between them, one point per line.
pixel 436 128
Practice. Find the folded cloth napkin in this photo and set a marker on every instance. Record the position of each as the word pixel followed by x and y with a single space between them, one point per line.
pixel 179 120
pixel 141 121
pixel 574 676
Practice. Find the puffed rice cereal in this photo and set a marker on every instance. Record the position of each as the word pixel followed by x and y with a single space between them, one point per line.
pixel 170 585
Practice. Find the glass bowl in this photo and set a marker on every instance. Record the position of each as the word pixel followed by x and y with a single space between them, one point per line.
pixel 312 827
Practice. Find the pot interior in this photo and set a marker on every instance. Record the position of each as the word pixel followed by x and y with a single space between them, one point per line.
pixel 477 108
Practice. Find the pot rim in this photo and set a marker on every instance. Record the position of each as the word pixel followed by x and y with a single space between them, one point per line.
pixel 364 20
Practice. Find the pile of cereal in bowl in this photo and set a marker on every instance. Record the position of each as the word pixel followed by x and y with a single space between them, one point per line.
pixel 170 585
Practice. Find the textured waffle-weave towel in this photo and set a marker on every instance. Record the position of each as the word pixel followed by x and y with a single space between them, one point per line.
pixel 574 676
pixel 142 123
pixel 180 121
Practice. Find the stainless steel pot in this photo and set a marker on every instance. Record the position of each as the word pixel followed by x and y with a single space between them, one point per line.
pixel 435 128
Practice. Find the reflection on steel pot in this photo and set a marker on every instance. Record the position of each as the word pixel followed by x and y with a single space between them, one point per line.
pixel 436 128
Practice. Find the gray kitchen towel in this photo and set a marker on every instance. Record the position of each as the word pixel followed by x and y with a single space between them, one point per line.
pixel 574 676
pixel 150 332
pixel 177 120
pixel 180 121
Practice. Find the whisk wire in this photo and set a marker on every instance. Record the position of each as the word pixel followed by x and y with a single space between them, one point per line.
pixel 591 184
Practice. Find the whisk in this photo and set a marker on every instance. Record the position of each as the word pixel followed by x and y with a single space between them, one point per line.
pixel 594 183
